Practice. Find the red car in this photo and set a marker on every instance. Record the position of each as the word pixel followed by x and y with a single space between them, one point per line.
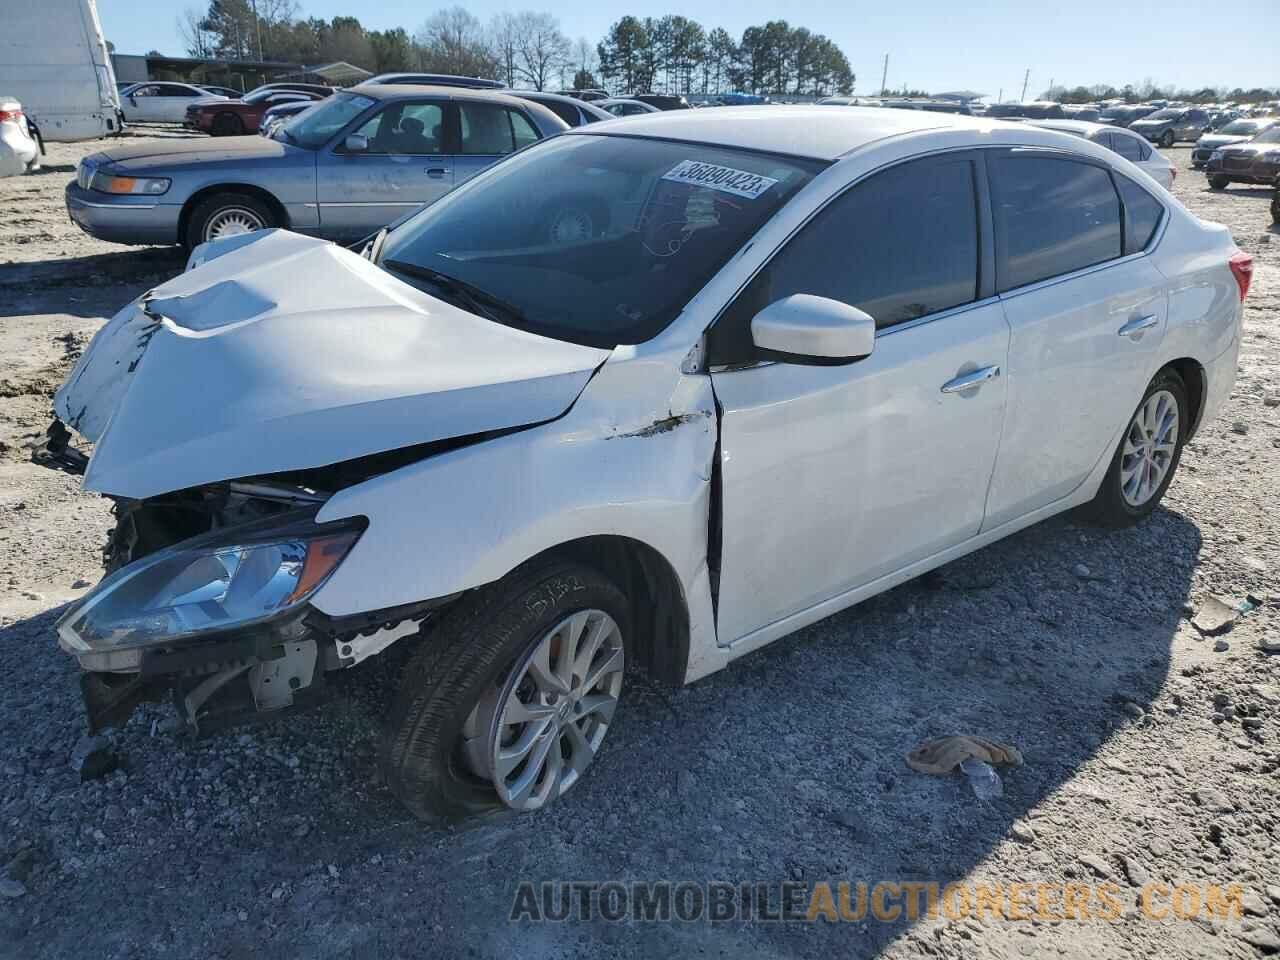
pixel 231 118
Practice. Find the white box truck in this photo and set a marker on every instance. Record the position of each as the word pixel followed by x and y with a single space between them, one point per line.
pixel 53 59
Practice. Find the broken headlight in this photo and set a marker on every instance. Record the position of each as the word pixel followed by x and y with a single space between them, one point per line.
pixel 211 584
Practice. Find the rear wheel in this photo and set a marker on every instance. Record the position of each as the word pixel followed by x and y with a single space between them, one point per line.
pixel 1218 183
pixel 227 125
pixel 1275 206
pixel 510 697
pixel 226 215
pixel 1147 455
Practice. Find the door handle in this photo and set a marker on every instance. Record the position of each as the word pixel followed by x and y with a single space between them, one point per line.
pixel 436 173
pixel 967 381
pixel 1136 327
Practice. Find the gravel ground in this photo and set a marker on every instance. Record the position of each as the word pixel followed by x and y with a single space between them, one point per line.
pixel 1151 751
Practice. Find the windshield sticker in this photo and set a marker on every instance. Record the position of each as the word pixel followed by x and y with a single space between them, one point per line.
pixel 738 182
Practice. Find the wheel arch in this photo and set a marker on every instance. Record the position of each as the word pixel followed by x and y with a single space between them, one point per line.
pixel 249 189
pixel 659 608
pixel 1192 374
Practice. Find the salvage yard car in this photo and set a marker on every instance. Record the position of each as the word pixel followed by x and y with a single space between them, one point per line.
pixel 353 163
pixel 1237 131
pixel 1254 161
pixel 1133 147
pixel 650 394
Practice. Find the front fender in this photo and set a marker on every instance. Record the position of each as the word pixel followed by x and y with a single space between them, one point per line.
pixel 468 517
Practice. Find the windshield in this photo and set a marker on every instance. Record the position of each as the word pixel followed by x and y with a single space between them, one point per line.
pixel 1164 115
pixel 598 240
pixel 314 128
pixel 1269 135
pixel 1240 127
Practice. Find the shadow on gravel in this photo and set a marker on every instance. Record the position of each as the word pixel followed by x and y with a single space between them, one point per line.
pixel 23 283
pixel 788 766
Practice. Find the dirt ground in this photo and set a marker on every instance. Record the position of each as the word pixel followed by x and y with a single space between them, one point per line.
pixel 1152 752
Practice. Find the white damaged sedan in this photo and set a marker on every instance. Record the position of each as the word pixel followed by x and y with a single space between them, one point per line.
pixel 647 395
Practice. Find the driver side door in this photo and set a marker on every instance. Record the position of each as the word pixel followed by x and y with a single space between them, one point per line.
pixel 834 477
pixel 406 165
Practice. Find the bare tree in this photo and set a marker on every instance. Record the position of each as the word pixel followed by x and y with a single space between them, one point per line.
pixel 502 37
pixel 197 40
pixel 542 49
pixel 454 41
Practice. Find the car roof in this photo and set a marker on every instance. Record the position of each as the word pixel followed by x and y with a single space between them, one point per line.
pixel 806 131
pixel 537 96
pixel 404 91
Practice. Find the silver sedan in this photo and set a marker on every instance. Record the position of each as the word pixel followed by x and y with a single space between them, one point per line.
pixel 358 161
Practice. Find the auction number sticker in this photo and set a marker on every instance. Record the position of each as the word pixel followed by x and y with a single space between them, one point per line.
pixel 738 182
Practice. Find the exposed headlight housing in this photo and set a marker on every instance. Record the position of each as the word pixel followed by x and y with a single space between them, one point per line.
pixel 224 581
pixel 106 182
pixel 1216 155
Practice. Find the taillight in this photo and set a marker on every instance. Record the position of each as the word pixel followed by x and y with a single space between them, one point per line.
pixel 1242 269
pixel 10 115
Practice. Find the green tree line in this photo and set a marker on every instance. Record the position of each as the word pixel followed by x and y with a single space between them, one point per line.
pixel 1148 90
pixel 663 54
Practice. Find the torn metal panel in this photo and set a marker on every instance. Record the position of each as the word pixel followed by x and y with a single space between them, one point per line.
pixel 290 353
pixel 499 503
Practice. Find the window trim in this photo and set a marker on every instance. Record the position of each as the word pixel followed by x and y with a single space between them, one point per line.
pixel 985 292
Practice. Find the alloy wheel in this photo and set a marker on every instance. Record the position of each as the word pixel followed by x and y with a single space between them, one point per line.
pixel 537 731
pixel 1149 447
pixel 230 222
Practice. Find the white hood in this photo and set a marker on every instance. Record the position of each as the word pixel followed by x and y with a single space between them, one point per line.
pixel 286 353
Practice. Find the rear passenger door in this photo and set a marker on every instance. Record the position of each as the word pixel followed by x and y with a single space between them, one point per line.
pixel 406 165
pixel 836 476
pixel 1087 310
pixel 487 132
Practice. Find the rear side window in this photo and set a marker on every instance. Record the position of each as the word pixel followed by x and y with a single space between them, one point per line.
pixel 565 111
pixel 1127 147
pixel 1142 213
pixel 488 128
pixel 900 245
pixel 1052 216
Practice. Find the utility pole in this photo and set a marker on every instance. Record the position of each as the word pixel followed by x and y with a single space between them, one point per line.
pixel 1025 80
pixel 884 75
pixel 1000 96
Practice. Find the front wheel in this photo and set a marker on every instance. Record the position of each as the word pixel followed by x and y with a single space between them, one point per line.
pixel 508 700
pixel 226 215
pixel 1166 139
pixel 1218 183
pixel 1147 455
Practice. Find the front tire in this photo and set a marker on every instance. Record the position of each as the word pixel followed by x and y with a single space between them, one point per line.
pixel 1147 455
pixel 1219 183
pixel 1275 206
pixel 1166 139
pixel 486 685
pixel 225 215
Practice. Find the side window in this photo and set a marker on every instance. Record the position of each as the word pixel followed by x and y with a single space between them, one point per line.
pixel 1052 216
pixel 173 90
pixel 1142 213
pixel 405 129
pixel 488 128
pixel 1127 147
pixel 565 111
pixel 525 132
pixel 900 245
pixel 150 91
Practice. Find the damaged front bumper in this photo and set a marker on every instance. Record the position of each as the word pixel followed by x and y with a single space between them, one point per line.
pixel 223 621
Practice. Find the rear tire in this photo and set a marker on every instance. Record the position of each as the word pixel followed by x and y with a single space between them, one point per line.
pixel 227 125
pixel 1219 183
pixel 1275 206
pixel 226 214
pixel 1113 506
pixel 474 648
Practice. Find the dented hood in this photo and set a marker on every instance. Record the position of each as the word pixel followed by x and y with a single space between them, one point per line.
pixel 286 353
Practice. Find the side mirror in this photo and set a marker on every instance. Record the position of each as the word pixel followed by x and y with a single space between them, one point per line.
pixel 355 143
pixel 806 329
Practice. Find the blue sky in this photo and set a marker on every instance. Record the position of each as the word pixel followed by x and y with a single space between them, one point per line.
pixel 936 45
